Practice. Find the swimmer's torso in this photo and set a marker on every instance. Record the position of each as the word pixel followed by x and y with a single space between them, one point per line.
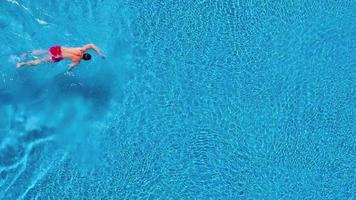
pixel 75 54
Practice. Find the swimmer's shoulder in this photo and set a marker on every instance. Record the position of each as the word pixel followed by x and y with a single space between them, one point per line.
pixel 72 49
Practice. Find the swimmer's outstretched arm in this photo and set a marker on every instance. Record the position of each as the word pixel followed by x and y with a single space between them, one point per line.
pixel 96 49
pixel 72 65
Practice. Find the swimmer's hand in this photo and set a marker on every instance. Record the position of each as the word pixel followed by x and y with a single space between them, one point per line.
pixel 69 73
pixel 95 48
pixel 72 65
pixel 101 55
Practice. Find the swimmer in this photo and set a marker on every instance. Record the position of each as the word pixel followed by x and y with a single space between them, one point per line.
pixel 58 53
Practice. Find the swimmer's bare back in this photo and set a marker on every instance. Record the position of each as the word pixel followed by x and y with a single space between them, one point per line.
pixel 58 53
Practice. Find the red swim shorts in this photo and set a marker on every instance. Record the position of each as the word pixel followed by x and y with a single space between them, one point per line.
pixel 56 53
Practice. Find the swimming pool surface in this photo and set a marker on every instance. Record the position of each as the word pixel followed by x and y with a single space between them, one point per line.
pixel 199 99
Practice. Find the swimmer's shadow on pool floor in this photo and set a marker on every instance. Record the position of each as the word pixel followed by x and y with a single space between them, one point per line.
pixel 97 91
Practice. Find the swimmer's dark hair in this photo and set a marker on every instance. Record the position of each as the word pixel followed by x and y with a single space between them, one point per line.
pixel 86 56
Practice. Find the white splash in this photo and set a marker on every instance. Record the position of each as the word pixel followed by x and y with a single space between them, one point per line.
pixel 42 22
pixel 17 3
pixel 13 59
pixel 13 1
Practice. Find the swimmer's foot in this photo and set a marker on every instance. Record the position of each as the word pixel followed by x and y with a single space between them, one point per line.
pixel 24 55
pixel 18 65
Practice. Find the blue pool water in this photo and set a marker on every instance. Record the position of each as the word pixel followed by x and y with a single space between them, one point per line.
pixel 196 100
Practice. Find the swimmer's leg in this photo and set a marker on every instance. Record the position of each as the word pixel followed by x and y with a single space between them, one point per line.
pixel 33 62
pixel 34 53
pixel 38 52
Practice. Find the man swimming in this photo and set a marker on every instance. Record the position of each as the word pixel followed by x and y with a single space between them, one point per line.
pixel 58 53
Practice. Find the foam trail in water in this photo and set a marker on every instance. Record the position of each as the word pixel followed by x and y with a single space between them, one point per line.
pixel 13 59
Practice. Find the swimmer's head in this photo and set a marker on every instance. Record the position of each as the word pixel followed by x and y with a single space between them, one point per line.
pixel 86 56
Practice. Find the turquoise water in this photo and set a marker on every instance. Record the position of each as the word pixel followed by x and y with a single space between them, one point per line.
pixel 196 100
